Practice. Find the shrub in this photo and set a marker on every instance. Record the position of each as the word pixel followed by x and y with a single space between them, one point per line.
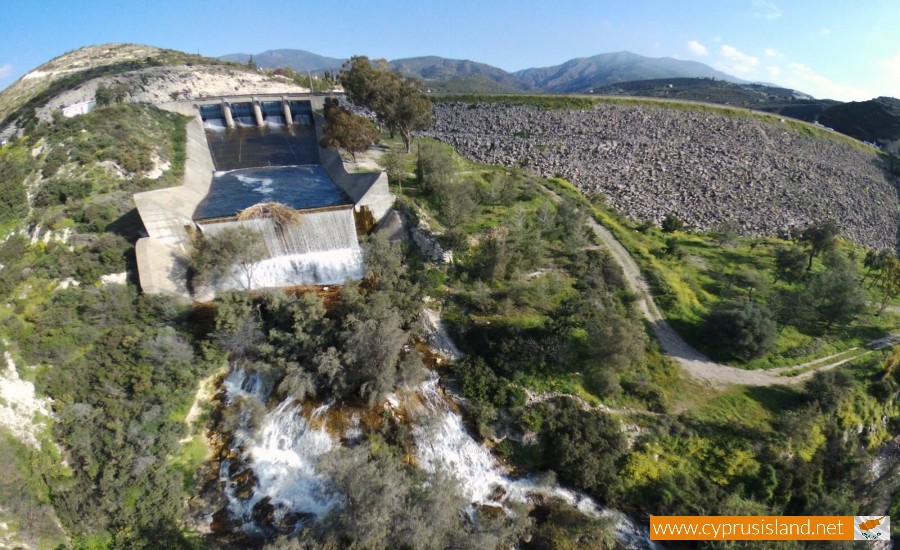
pixel 743 330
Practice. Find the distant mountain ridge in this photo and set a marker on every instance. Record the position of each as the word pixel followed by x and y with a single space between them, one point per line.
pixel 299 60
pixel 586 73
pixel 442 74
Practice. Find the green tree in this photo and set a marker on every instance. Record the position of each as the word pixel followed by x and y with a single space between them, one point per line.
pixel 672 223
pixel 213 257
pixel 726 233
pixel 251 64
pixel 790 263
pixel 835 294
pixel 820 237
pixel 888 281
pixel 583 447
pixel 743 329
pixel 15 165
pixel 397 101
pixel 395 166
pixel 345 130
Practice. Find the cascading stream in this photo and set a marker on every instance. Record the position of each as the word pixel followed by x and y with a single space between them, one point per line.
pixel 284 451
pixel 443 442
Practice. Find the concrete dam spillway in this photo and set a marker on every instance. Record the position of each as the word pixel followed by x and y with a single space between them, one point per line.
pixel 263 170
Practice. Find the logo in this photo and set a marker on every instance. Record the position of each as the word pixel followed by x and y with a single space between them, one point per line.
pixel 872 528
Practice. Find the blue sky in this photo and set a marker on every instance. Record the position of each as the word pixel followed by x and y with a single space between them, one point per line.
pixel 828 48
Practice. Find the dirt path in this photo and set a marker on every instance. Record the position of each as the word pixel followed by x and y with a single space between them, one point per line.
pixel 695 363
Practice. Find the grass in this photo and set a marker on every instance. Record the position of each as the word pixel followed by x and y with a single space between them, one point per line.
pixel 686 286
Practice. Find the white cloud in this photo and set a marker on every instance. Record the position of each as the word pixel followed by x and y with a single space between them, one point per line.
pixel 772 52
pixel 697 48
pixel 888 80
pixel 5 71
pixel 766 10
pixel 736 62
pixel 824 31
pixel 773 71
pixel 803 78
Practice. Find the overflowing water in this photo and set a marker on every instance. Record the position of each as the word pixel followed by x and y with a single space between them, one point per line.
pixel 284 451
pixel 274 120
pixel 282 454
pixel 217 124
pixel 330 267
pixel 442 441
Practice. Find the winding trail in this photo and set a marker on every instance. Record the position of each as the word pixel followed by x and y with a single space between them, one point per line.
pixel 697 364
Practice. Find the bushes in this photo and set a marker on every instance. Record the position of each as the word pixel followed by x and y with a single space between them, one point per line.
pixel 60 191
pixel 15 166
pixel 743 330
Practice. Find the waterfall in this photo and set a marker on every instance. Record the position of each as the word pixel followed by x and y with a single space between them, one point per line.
pixel 281 455
pixel 274 120
pixel 442 441
pixel 331 267
pixel 283 452
pixel 321 249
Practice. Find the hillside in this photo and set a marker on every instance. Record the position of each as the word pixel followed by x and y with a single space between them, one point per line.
pixel 71 69
pixel 704 166
pixel 145 74
pixel 433 70
pixel 876 120
pixel 587 73
pixel 760 97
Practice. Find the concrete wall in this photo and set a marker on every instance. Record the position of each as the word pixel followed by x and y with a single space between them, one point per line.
pixel 166 212
pixel 368 189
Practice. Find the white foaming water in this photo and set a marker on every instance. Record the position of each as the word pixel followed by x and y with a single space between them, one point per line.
pixel 283 453
pixel 443 442
pixel 260 185
pixel 274 121
pixel 316 268
pixel 214 124
pixel 245 122
pixel 285 449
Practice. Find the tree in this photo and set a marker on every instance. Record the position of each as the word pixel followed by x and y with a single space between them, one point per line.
pixel 214 257
pixel 888 281
pixel 251 64
pixel 394 164
pixel 397 101
pixel 743 329
pixel 345 130
pixel 584 447
pixel 15 165
pixel 835 294
pixel 726 233
pixel 672 223
pixel 820 237
pixel 790 262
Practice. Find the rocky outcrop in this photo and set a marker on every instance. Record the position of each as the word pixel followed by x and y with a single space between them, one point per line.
pixel 157 85
pixel 705 167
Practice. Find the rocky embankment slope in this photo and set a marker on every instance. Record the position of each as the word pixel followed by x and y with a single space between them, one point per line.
pixel 704 167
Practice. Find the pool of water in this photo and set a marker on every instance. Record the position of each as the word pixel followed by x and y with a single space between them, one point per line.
pixel 299 187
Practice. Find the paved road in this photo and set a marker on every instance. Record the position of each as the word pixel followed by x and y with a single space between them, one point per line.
pixel 697 364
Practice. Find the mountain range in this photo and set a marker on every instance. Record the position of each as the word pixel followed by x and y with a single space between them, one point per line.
pixel 576 75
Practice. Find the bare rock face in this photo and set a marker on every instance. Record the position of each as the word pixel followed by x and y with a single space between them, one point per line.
pixel 705 167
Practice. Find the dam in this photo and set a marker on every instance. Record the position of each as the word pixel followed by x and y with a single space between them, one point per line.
pixel 255 162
